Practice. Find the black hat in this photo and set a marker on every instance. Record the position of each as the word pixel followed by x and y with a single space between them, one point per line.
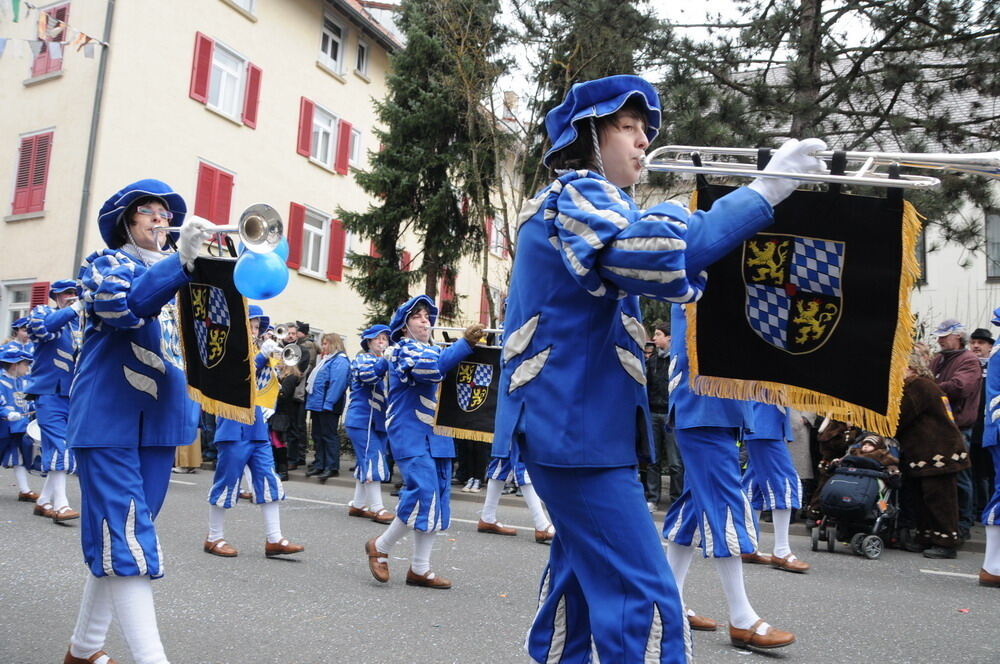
pixel 302 327
pixel 984 334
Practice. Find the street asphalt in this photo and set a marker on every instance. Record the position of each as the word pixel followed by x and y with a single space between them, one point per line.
pixel 323 605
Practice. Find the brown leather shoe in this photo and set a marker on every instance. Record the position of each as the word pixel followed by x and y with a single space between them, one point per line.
pixel 245 495
pixel 701 623
pixel 545 536
pixel 989 580
pixel 99 657
pixel 281 548
pixel 359 512
pixel 27 496
pixel 495 528
pixel 44 510
pixel 790 564
pixel 378 562
pixel 383 516
pixel 756 558
pixel 220 547
pixel 749 638
pixel 429 580
pixel 64 513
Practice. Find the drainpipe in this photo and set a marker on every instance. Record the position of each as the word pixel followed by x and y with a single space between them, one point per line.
pixel 95 120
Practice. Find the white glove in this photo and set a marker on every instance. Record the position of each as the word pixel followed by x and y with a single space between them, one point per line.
pixel 791 157
pixel 266 412
pixel 14 417
pixel 269 347
pixel 77 306
pixel 194 232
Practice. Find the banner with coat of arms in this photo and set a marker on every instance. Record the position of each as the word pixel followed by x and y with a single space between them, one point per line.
pixel 215 338
pixel 467 398
pixel 813 312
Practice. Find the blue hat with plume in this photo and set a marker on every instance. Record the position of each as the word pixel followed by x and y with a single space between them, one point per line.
pixel 113 208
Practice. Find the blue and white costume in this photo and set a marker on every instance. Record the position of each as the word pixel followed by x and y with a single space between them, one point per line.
pixel 129 407
pixel 26 346
pixel 365 420
pixel 509 467
pixel 57 336
pixel 415 369
pixel 12 400
pixel 572 388
pixel 770 479
pixel 991 433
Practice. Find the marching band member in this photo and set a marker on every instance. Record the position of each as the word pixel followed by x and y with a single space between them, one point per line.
pixel 365 424
pixel 128 410
pixel 20 337
pixel 772 483
pixel 585 251
pixel 15 412
pixel 989 573
pixel 247 446
pixel 56 334
pixel 501 470
pixel 416 366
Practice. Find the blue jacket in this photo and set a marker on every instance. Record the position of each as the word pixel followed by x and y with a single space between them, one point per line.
pixel 769 422
pixel 12 401
pixel 227 430
pixel 366 410
pixel 991 421
pixel 572 373
pixel 56 333
pixel 330 384
pixel 415 369
pixel 130 388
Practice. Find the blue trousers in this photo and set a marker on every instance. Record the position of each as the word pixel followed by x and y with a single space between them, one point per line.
pixel 324 433
pixel 965 493
pixel 607 589
pixel 713 504
pixel 425 499
pixel 233 457
pixel 121 491
pixel 991 515
pixel 52 413
pixel 770 480
pixel 13 451
pixel 370 450
pixel 509 467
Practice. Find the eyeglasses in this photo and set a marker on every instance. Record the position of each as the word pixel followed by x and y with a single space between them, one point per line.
pixel 166 215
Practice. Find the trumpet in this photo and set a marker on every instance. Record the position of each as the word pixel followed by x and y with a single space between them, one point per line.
pixel 281 331
pixel 260 228
pixel 670 159
pixel 462 329
pixel 291 355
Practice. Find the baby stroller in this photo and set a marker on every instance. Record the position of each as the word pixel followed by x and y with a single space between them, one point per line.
pixel 860 505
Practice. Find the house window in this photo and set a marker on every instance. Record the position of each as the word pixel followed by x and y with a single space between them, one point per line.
pixel 225 81
pixel 314 242
pixel 993 244
pixel 355 149
pixel 332 44
pixel 225 91
pixel 247 5
pixel 496 239
pixel 214 195
pixel 50 58
pixel 324 129
pixel 16 303
pixel 34 154
pixel 361 66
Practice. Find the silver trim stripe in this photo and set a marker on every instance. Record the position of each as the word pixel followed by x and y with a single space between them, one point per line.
pixel 632 365
pixel 141 383
pixel 585 206
pixel 581 230
pixel 655 243
pixel 654 642
pixel 148 357
pixel 517 341
pixel 634 329
pixel 528 370
pixel 656 276
pixel 133 542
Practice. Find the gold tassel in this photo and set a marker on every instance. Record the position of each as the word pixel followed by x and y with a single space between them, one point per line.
pixel 817 402
pixel 466 434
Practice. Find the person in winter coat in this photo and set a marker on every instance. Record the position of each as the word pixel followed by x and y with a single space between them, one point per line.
pixel 326 388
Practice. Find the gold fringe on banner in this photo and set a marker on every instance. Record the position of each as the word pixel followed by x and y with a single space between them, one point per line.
pixel 467 434
pixel 816 402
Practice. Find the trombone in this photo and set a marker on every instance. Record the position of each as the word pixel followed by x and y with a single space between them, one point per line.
pixel 671 159
pixel 260 228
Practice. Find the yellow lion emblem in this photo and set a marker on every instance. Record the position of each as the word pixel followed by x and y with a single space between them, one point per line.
pixel 769 259
pixel 812 322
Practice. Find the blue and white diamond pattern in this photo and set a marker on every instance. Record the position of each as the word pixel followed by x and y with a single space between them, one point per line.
pixel 218 313
pixel 767 310
pixel 464 393
pixel 484 374
pixel 816 265
pixel 264 377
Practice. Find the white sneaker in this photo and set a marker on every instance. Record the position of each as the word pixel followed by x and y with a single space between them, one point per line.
pixel 651 506
pixel 468 486
pixel 476 487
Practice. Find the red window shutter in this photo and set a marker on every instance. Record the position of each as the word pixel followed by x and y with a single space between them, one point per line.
pixel 373 250
pixel 335 257
pixel 45 63
pixel 305 127
pixel 405 261
pixel 296 218
pixel 343 147
pixel 484 306
pixel 224 183
pixel 32 173
pixel 204 198
pixel 250 101
pixel 201 67
pixel 22 182
pixel 39 293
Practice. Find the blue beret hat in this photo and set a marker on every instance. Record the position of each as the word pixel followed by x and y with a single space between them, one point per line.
pixel 111 211
pixel 11 354
pixel 20 322
pixel 62 286
pixel 595 99
pixel 255 311
pixel 398 321
pixel 371 333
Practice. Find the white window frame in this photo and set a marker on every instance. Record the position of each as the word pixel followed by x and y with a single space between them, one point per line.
pixel 354 152
pixel 497 244
pixel 239 75
pixel 362 48
pixel 246 5
pixel 351 243
pixel 992 219
pixel 312 235
pixel 323 120
pixel 335 64
pixel 7 300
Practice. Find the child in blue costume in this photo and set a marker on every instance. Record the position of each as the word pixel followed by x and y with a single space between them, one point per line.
pixel 771 481
pixel 989 574
pixel 248 446
pixel 416 366
pixel 57 335
pixel 128 410
pixel 20 336
pixel 572 389
pixel 365 424
pixel 15 413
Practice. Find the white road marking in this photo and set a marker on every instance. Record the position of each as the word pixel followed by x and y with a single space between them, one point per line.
pixel 183 482
pixel 958 574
